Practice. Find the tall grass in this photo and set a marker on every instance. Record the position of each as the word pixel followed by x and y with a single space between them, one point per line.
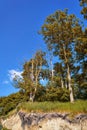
pixel 76 107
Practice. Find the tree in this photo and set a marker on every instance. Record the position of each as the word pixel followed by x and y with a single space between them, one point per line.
pixel 32 74
pixel 81 56
pixel 60 31
pixel 81 52
pixel 83 3
pixel 60 74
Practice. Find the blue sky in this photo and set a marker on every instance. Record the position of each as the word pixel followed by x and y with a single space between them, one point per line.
pixel 20 20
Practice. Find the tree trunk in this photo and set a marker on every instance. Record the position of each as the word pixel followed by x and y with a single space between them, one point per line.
pixel 62 85
pixel 69 85
pixel 52 72
pixel 32 71
pixel 31 97
pixel 68 76
pixel 65 83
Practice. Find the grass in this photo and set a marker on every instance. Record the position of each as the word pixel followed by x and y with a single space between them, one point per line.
pixel 75 108
pixel 78 107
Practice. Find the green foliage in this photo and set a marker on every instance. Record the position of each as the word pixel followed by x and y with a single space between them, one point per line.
pixel 40 94
pixel 83 4
pixel 32 73
pixel 66 39
pixel 5 129
pixel 76 107
pixel 60 32
pixel 10 102
pixel 57 94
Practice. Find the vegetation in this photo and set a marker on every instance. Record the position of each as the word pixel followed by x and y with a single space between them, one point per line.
pixel 78 107
pixel 60 32
pixel 7 104
pixel 66 78
pixel 64 71
pixel 83 3
pixel 12 102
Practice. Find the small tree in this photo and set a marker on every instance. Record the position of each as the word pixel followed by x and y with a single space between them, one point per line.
pixel 31 75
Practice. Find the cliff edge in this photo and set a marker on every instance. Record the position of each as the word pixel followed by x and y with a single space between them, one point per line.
pixel 45 121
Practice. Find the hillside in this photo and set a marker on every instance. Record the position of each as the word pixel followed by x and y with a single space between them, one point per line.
pixel 47 116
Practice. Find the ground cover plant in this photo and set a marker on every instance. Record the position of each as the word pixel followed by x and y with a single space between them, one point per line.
pixel 75 108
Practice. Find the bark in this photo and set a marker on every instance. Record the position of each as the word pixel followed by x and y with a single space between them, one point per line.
pixel 31 97
pixel 69 85
pixel 66 85
pixel 68 76
pixel 52 71
pixel 62 85
pixel 32 78
pixel 32 70
pixel 37 72
pixel 51 66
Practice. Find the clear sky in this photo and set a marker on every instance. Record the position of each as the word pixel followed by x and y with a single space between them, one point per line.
pixel 20 20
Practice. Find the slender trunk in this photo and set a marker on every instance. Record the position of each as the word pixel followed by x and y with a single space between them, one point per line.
pixel 32 70
pixel 36 82
pixel 32 78
pixel 68 76
pixel 66 85
pixel 37 72
pixel 52 71
pixel 31 97
pixel 62 85
pixel 69 85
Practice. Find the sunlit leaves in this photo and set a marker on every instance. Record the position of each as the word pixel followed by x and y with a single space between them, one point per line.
pixel 83 3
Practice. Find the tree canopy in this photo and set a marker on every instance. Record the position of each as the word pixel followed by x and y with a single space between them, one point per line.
pixel 66 78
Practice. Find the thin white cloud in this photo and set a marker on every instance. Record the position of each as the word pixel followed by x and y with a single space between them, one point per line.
pixel 13 73
pixel 5 82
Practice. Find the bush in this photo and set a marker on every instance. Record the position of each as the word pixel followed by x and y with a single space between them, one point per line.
pixel 10 102
pixel 40 94
pixel 57 94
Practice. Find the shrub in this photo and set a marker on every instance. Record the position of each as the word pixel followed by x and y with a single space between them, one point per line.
pixel 57 94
